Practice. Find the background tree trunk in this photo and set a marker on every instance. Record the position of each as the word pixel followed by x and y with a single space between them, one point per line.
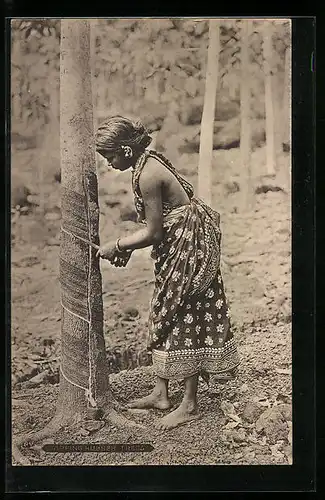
pixel 286 108
pixel 93 25
pixel 245 125
pixel 286 116
pixel 48 142
pixel 269 105
pixel 15 82
pixel 207 122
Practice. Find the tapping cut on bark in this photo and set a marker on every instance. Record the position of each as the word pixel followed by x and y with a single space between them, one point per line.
pixel 84 389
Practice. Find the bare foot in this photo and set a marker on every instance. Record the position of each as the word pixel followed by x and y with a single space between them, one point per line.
pixel 186 412
pixel 154 400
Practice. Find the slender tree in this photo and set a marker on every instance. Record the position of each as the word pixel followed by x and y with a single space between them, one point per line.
pixel 245 128
pixel 269 104
pixel 84 379
pixel 207 122
pixel 15 62
pixel 286 118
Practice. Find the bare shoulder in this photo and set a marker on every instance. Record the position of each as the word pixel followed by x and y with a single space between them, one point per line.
pixel 152 174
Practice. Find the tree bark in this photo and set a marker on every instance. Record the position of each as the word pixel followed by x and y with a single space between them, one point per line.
pixel 269 104
pixel 207 122
pixel 83 359
pixel 84 377
pixel 245 125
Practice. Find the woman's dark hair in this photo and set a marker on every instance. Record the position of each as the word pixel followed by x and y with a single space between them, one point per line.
pixel 118 131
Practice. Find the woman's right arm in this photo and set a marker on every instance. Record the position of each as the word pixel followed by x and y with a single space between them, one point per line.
pixel 151 190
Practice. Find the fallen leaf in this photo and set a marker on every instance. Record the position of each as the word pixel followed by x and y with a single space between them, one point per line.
pixel 290 432
pixel 275 448
pixel 258 399
pixel 234 417
pixel 250 455
pixel 284 371
pixel 229 411
pixel 231 425
pixel 288 453
pixel 263 441
pixel 265 403
pixel 83 432
pixel 38 379
pixel 139 411
pixel 238 436
pixel 18 402
pixel 277 454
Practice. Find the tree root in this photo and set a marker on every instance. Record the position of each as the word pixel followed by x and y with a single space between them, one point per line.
pixel 52 428
pixel 109 414
pixel 119 420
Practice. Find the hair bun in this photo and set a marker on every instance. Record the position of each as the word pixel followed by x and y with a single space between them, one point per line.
pixel 139 127
pixel 119 131
pixel 146 141
pixel 140 130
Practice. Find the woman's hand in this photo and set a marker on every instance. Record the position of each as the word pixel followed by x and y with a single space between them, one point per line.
pixel 107 251
pixel 122 258
pixel 111 253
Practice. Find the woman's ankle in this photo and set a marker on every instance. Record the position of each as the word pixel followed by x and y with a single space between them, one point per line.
pixel 189 403
pixel 161 389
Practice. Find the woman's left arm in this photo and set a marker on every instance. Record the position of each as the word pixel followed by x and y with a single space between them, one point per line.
pixel 151 234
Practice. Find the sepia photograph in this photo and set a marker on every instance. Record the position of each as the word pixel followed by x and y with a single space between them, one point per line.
pixel 151 241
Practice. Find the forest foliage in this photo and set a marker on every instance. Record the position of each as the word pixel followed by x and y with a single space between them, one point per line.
pixel 143 67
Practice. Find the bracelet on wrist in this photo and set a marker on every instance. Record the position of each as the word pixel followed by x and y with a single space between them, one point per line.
pixel 117 245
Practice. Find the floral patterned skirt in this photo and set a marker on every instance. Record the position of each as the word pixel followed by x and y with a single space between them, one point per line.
pixel 189 321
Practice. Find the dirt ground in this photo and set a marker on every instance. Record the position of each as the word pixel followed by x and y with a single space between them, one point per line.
pixel 246 421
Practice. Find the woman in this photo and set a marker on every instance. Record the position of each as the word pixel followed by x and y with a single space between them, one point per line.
pixel 189 325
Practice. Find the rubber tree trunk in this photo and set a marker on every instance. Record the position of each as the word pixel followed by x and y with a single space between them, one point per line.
pixel 245 124
pixel 207 122
pixel 84 370
pixel 84 384
pixel 269 104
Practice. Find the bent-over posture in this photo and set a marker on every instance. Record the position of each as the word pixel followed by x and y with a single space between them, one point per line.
pixel 189 324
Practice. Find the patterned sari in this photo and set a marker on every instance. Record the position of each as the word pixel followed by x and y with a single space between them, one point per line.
pixel 189 323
